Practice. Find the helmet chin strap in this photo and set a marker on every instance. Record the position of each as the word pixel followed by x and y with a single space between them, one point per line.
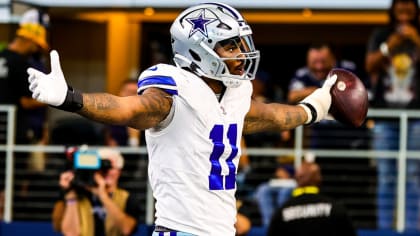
pixel 231 83
pixel 227 81
pixel 182 62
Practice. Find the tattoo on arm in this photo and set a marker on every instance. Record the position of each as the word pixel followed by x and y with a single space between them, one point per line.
pixel 142 112
pixel 99 106
pixel 156 103
pixel 274 116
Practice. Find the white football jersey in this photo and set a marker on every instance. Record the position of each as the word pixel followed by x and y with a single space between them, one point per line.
pixel 193 160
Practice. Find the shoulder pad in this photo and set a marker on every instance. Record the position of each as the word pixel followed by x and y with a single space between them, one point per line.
pixel 158 76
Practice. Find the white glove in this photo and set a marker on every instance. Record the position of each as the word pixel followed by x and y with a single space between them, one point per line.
pixel 49 88
pixel 318 103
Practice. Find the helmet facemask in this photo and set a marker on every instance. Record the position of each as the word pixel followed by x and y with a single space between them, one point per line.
pixel 245 53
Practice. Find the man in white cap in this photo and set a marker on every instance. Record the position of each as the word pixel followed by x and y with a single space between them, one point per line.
pixel 30 39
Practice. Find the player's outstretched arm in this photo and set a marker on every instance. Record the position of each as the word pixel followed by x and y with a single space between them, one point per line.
pixel 274 116
pixel 139 112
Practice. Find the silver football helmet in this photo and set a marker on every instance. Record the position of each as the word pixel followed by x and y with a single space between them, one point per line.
pixel 195 34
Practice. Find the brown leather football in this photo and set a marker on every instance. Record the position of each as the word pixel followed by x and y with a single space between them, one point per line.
pixel 349 98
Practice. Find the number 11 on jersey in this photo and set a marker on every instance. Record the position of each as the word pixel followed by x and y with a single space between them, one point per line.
pixel 216 177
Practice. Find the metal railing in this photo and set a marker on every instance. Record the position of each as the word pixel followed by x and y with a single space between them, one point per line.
pixel 298 150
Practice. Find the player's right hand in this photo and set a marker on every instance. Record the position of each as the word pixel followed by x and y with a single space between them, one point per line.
pixel 49 88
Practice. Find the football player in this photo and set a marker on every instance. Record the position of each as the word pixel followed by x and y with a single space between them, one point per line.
pixel 194 114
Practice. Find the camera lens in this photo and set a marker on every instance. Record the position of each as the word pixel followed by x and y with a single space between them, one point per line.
pixel 106 165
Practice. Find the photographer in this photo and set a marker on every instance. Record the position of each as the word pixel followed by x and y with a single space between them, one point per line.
pixel 101 208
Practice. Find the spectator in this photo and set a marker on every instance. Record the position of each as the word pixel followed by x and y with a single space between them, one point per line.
pixel 309 212
pixel 37 116
pixel 38 132
pixel 320 59
pixel 273 193
pixel 30 40
pixel 102 208
pixel 393 66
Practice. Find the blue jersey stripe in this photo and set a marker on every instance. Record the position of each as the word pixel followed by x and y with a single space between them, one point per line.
pixel 166 83
pixel 156 79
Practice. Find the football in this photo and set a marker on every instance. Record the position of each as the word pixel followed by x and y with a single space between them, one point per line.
pixel 349 98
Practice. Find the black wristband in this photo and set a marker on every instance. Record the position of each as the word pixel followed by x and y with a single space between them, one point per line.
pixel 73 101
pixel 313 112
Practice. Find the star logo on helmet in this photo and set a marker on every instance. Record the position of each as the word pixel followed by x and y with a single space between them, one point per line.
pixel 199 23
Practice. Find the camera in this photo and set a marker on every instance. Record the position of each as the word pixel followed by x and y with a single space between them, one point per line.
pixel 85 163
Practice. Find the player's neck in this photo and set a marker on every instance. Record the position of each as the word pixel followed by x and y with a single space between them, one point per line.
pixel 215 85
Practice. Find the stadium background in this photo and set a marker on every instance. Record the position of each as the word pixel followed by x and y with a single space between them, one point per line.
pixel 116 42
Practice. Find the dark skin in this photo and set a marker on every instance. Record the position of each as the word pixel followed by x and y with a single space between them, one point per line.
pixel 150 108
pixel 308 174
pixel 319 61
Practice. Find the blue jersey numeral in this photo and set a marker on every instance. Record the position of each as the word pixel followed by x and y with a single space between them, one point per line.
pixel 216 177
